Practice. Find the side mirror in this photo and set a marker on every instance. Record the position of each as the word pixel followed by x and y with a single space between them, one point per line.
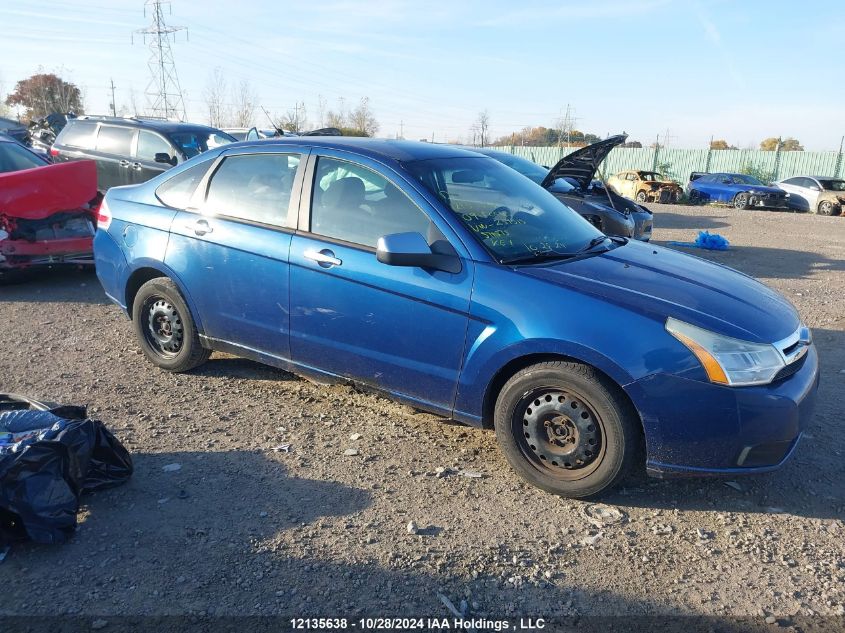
pixel 412 249
pixel 164 157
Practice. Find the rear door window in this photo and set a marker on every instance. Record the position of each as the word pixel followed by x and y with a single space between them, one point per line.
pixel 79 134
pixel 253 187
pixel 177 191
pixel 150 144
pixel 115 140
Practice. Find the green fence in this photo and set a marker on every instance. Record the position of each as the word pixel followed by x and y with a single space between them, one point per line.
pixel 678 163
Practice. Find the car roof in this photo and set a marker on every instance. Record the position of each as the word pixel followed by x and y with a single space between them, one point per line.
pixel 157 125
pixel 377 148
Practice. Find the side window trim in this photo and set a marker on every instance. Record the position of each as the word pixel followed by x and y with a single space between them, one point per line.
pixel 197 204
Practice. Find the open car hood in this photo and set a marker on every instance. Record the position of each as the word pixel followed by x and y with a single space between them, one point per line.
pixel 38 193
pixel 581 165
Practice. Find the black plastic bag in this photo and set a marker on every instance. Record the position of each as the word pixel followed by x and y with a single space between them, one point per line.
pixel 43 471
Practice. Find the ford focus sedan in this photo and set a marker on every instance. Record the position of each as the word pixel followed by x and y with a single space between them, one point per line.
pixel 451 283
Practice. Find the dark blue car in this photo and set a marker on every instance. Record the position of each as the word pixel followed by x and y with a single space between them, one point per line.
pixel 456 285
pixel 739 190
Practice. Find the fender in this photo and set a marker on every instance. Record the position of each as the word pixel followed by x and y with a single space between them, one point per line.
pixel 159 265
pixel 476 380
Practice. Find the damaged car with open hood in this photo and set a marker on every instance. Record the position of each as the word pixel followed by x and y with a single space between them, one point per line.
pixel 572 181
pixel 47 212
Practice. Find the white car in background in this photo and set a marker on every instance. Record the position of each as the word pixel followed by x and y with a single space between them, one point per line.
pixel 816 194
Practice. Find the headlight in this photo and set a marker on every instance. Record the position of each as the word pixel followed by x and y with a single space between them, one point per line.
pixel 728 361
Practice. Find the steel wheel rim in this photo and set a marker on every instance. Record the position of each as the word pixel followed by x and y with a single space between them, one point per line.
pixel 825 208
pixel 559 432
pixel 163 328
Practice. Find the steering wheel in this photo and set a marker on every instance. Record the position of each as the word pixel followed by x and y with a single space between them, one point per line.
pixel 502 209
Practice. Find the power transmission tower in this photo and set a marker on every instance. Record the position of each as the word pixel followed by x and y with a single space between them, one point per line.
pixel 164 94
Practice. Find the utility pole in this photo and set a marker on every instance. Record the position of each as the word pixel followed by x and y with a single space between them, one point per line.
pixel 113 104
pixel 164 94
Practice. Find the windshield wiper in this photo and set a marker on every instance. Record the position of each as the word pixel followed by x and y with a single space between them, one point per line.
pixel 535 258
pixel 594 242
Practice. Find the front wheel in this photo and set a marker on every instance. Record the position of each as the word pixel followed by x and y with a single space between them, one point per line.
pixel 642 197
pixel 741 201
pixel 164 327
pixel 566 429
pixel 826 207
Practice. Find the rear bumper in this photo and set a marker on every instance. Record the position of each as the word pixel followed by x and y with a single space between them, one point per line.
pixel 695 428
pixel 22 253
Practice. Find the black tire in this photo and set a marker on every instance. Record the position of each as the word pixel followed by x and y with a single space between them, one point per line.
pixel 741 201
pixel 642 197
pixel 694 197
pixel 566 429
pixel 165 328
pixel 826 207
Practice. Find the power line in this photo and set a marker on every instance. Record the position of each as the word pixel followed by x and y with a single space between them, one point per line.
pixel 164 94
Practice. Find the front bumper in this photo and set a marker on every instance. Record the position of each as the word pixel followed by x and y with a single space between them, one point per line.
pixel 766 202
pixel 643 226
pixel 699 428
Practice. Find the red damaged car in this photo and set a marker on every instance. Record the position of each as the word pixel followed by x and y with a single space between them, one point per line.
pixel 47 212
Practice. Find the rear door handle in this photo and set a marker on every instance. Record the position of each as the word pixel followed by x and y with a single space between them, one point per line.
pixel 124 163
pixel 325 257
pixel 136 166
pixel 200 227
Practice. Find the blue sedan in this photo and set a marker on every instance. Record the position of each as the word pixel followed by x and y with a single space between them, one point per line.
pixel 452 283
pixel 739 190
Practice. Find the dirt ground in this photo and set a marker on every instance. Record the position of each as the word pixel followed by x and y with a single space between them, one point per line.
pixel 241 529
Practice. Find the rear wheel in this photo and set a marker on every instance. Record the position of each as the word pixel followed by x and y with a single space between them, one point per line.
pixel 741 201
pixel 565 429
pixel 164 327
pixel 642 197
pixel 694 196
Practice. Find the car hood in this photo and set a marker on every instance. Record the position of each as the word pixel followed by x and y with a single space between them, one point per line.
pixel 37 193
pixel 661 283
pixel 582 164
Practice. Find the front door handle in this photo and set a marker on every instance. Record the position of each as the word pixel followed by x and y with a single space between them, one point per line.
pixel 200 227
pixel 124 163
pixel 136 166
pixel 325 257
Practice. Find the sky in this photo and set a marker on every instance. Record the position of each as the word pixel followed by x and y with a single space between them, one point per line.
pixel 680 70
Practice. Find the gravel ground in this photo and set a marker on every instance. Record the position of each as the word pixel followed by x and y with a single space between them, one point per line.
pixel 241 529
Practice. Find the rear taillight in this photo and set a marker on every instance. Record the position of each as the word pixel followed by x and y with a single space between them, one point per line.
pixel 103 216
pixel 54 152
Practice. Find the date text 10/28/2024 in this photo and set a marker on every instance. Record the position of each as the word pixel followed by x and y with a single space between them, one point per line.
pixel 423 624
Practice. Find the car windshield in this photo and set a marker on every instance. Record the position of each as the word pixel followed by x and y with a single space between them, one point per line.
pixel 511 216
pixel 742 179
pixel 13 157
pixel 833 185
pixel 193 143
pixel 524 166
